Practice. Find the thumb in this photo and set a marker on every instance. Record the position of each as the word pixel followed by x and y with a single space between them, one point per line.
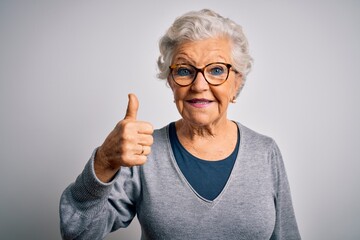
pixel 132 108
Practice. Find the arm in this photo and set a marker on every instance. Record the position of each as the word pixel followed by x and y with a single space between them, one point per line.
pixel 285 226
pixel 103 197
pixel 90 209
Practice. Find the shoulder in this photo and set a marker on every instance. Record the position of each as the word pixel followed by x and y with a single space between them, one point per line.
pixel 260 150
pixel 253 138
pixel 256 144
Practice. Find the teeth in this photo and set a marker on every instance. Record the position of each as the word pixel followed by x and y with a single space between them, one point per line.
pixel 199 101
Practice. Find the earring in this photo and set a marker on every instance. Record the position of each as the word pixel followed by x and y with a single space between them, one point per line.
pixel 233 100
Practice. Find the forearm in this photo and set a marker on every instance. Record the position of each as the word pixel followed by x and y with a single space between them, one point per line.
pixel 81 204
pixel 90 208
pixel 104 171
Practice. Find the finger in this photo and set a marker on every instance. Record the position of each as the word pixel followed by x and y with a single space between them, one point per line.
pixel 138 160
pixel 143 150
pixel 146 150
pixel 132 108
pixel 145 139
pixel 145 128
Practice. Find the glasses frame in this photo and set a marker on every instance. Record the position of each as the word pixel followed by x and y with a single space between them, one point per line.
pixel 172 67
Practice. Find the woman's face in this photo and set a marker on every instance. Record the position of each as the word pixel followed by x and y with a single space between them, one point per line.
pixel 202 104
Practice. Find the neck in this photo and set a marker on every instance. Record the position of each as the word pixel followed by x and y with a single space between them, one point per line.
pixel 210 143
pixel 193 131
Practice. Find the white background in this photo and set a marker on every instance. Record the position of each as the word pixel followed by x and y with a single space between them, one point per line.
pixel 66 68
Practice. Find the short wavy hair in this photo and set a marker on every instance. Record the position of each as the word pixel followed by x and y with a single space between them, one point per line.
pixel 201 25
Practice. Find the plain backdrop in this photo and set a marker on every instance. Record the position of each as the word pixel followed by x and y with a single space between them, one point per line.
pixel 66 68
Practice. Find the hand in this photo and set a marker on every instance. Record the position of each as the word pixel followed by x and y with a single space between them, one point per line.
pixel 127 145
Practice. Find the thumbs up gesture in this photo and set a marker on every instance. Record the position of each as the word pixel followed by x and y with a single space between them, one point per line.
pixel 127 145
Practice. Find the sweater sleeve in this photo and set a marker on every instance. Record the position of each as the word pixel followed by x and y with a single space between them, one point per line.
pixel 285 226
pixel 90 209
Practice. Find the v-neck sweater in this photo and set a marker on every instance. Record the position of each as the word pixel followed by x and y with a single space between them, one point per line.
pixel 254 204
pixel 207 178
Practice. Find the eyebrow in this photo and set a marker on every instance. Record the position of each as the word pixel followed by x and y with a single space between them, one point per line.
pixel 184 60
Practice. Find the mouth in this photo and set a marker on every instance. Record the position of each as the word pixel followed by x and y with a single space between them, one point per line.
pixel 199 102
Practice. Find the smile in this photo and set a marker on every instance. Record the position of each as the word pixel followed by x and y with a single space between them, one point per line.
pixel 199 102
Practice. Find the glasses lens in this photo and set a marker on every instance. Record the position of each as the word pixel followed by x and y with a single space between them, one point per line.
pixel 216 73
pixel 183 74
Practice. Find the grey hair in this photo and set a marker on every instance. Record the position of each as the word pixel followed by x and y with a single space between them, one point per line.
pixel 201 25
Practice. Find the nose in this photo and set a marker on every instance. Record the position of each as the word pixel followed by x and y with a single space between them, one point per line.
pixel 200 83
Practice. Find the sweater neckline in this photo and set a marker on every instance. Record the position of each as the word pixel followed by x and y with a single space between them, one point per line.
pixel 205 201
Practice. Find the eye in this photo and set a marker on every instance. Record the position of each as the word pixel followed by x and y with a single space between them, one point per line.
pixel 183 71
pixel 216 70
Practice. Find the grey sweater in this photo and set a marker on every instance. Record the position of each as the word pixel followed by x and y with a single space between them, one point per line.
pixel 254 204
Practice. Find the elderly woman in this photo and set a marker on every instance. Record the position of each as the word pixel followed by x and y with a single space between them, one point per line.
pixel 201 177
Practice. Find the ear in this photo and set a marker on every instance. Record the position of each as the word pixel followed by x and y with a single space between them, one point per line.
pixel 238 83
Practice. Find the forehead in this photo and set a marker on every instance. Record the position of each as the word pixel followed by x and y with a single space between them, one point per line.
pixel 203 52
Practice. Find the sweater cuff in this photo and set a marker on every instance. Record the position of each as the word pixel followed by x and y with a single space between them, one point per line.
pixel 89 186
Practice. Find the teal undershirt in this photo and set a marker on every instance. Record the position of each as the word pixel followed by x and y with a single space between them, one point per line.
pixel 207 178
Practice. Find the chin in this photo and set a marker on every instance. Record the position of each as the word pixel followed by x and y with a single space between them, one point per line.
pixel 199 120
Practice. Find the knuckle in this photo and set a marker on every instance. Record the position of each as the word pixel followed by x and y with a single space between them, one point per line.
pixel 124 148
pixel 150 129
pixel 126 125
pixel 151 140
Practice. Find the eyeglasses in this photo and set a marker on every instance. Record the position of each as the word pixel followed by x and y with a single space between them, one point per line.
pixel 214 73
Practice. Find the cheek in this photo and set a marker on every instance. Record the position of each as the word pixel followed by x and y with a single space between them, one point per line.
pixel 225 94
pixel 233 88
pixel 174 88
pixel 179 92
pixel 176 94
